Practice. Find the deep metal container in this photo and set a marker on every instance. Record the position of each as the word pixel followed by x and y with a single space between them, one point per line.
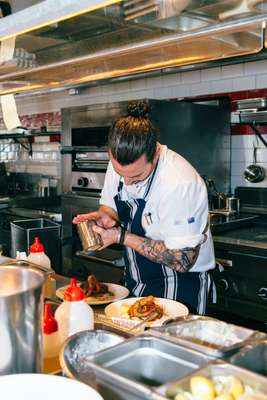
pixel 21 306
pixel 208 335
pixel 133 369
pixel 233 204
pixel 90 240
pixel 217 369
pixel 252 357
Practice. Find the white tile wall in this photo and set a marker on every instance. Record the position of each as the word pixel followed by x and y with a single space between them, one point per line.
pixel 242 76
pixel 242 156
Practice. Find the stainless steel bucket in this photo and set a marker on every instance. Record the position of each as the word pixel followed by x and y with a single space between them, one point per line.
pixel 21 304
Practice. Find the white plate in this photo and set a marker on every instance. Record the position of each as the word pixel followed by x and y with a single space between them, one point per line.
pixel 41 386
pixel 171 309
pixel 120 292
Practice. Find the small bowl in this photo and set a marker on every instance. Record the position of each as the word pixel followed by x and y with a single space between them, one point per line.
pixel 78 349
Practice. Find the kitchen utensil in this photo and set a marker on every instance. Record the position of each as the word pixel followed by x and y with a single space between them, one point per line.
pixel 217 200
pixel 135 368
pixel 79 347
pixel 208 335
pixel 252 357
pixel 233 203
pixel 254 173
pixel 257 383
pixel 20 319
pixel 90 239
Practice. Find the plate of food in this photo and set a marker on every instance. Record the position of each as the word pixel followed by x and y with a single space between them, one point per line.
pixel 139 308
pixel 97 293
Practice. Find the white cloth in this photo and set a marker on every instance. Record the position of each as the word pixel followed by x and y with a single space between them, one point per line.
pixel 177 207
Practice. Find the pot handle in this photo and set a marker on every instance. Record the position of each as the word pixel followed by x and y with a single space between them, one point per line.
pixel 254 154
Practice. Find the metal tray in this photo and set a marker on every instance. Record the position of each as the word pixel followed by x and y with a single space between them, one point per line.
pixel 134 368
pixel 253 358
pixel 259 102
pixel 216 369
pixel 250 116
pixel 208 335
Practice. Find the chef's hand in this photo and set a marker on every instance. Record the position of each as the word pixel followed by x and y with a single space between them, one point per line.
pixel 102 219
pixel 108 236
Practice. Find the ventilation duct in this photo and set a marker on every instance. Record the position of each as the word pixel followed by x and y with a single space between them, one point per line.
pixel 69 45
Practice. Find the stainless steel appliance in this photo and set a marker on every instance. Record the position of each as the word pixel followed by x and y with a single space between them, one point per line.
pixel 88 171
pixel 85 160
pixel 242 250
pixel 20 319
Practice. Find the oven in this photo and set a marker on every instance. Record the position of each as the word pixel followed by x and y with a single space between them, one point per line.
pixel 242 252
pixel 84 164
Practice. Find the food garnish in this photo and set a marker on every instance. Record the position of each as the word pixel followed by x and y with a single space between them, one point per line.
pixel 144 307
pixel 94 288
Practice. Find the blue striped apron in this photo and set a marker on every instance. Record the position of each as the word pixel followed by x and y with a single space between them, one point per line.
pixel 144 277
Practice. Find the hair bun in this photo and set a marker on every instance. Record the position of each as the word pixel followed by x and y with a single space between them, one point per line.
pixel 138 109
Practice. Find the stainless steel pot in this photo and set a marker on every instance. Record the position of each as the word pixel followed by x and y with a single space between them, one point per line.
pixel 20 319
pixel 254 173
pixel 233 204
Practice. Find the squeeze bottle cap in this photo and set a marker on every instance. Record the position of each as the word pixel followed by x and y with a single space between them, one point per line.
pixel 49 323
pixel 73 292
pixel 36 247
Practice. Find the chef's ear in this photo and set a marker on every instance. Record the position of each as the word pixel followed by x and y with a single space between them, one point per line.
pixel 5 9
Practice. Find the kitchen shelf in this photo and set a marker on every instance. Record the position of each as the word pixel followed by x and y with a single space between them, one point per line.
pixel 28 135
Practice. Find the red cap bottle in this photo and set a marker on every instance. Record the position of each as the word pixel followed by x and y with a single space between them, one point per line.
pixel 49 323
pixel 36 247
pixel 73 292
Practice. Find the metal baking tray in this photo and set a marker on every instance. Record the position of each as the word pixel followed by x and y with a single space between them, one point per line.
pixel 250 116
pixel 252 357
pixel 208 335
pixel 140 364
pixel 217 369
pixel 252 103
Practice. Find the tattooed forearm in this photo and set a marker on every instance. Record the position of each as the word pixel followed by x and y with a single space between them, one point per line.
pixel 180 260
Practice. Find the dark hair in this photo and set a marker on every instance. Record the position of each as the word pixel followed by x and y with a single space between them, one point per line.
pixel 133 135
pixel 6 8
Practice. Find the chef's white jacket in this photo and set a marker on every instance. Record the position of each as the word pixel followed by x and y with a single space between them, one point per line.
pixel 177 206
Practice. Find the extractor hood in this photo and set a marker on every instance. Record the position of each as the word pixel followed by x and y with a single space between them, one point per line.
pixel 124 38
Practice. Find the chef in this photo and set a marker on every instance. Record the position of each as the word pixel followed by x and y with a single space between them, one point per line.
pixel 155 204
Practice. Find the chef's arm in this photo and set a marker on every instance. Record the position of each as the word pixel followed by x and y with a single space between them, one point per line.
pixel 106 210
pixel 181 260
pixel 155 250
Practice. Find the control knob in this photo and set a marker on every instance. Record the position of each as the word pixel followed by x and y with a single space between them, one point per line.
pixel 223 284
pixel 83 181
pixel 262 293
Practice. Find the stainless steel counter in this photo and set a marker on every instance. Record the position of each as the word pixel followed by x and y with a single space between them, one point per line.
pixel 32 213
pixel 254 236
